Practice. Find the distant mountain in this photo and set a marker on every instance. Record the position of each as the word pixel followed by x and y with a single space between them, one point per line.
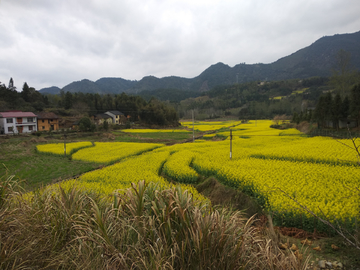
pixel 114 85
pixel 152 83
pixel 101 86
pixel 85 86
pixel 318 59
pixel 51 90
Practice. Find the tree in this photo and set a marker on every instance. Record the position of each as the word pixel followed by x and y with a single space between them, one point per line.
pixel 85 124
pixel 343 75
pixel 307 116
pixel 345 107
pixel 61 101
pixel 295 118
pixel 80 108
pixel 11 85
pixel 106 125
pixel 355 102
pixel 9 96
pixel 108 102
pixel 320 113
pixel 158 113
pixel 336 110
pixel 25 94
pixel 68 100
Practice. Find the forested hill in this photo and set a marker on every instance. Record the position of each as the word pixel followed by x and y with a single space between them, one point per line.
pixel 318 59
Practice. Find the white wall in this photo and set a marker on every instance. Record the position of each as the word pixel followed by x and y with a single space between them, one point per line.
pixel 5 125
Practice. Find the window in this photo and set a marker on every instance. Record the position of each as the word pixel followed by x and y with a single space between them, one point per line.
pixel 30 127
pixel 10 129
pixel 9 120
pixel 43 121
pixel 30 119
pixel 43 127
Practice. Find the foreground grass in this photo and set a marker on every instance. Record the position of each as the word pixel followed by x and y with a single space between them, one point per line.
pixel 143 227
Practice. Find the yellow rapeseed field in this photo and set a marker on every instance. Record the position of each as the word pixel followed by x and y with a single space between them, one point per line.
pixel 269 164
pixel 120 176
pixel 109 152
pixel 207 126
pixel 153 130
pixel 58 148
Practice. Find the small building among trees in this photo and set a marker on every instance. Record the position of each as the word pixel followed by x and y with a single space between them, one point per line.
pixel 100 118
pixel 118 118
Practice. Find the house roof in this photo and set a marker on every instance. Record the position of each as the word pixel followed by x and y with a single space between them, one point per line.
pixel 17 114
pixel 116 112
pixel 47 115
pixel 102 116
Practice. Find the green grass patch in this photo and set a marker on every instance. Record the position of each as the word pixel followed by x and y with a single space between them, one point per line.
pixel 158 137
pixel 37 169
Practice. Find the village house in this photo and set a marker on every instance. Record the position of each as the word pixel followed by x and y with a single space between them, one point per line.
pixel 118 117
pixel 47 121
pixel 17 122
pixel 100 118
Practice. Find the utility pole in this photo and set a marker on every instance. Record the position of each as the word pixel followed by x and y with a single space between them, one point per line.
pixel 193 125
pixel 64 144
pixel 230 144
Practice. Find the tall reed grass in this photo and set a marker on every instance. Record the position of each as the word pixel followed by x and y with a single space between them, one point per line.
pixel 143 227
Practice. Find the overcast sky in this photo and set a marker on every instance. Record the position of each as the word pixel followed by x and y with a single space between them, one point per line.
pixel 53 43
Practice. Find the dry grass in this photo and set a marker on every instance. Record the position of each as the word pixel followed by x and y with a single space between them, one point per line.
pixel 304 127
pixel 144 227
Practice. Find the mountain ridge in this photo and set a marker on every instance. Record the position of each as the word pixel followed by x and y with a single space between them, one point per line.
pixel 317 59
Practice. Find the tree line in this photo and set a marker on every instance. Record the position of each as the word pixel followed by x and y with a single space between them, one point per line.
pixel 335 108
pixel 153 112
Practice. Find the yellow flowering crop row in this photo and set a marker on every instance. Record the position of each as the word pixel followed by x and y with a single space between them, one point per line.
pixel 178 167
pixel 330 188
pixel 316 149
pixel 58 148
pixel 207 126
pixel 120 175
pixel 154 130
pixel 290 131
pixel 109 152
pixel 209 136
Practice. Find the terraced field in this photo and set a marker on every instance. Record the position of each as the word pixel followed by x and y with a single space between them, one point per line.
pixel 281 169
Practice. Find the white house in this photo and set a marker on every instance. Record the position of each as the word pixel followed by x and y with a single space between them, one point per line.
pixel 100 118
pixel 118 117
pixel 15 122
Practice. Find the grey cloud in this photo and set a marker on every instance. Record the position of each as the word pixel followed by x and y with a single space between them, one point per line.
pixel 56 42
